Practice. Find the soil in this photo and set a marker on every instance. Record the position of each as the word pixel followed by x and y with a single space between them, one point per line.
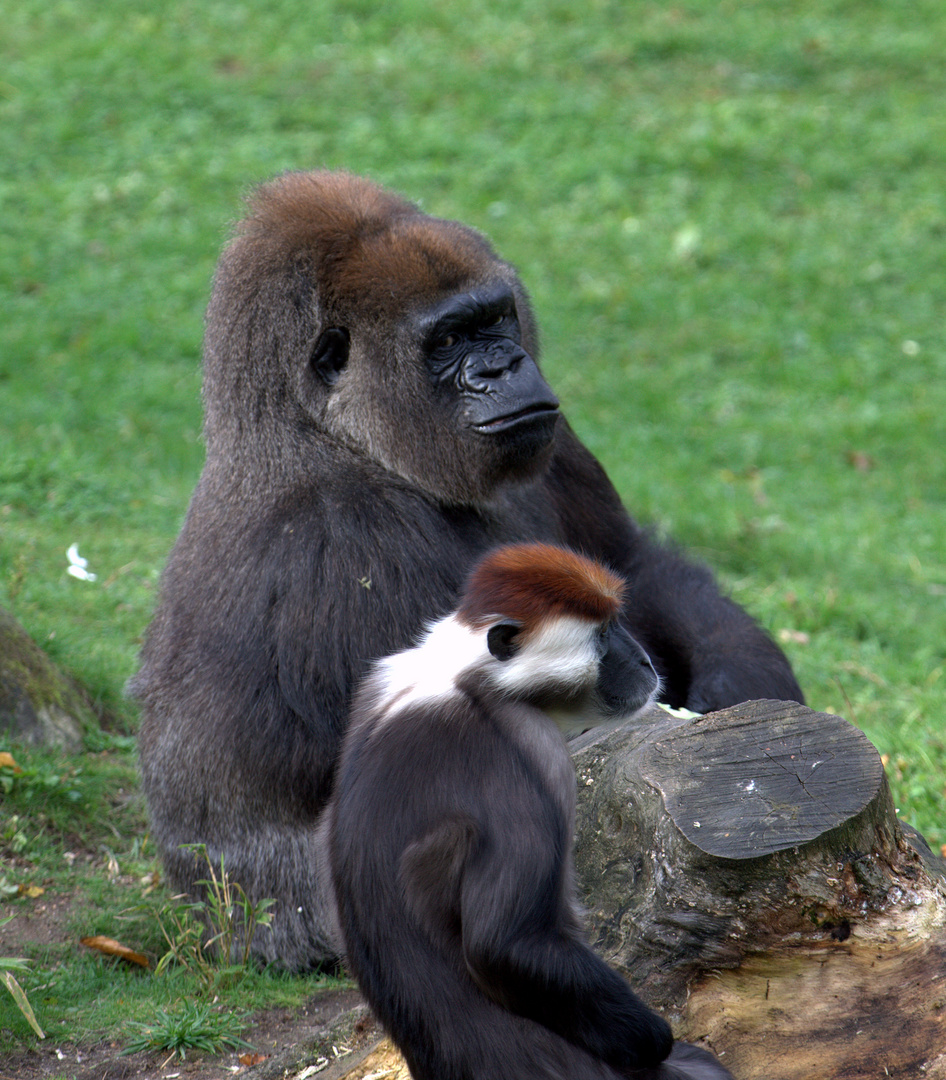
pixel 323 1040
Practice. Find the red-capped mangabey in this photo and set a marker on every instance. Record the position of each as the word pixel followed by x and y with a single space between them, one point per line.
pixel 451 834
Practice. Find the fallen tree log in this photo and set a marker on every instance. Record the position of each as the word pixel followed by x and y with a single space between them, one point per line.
pixel 747 872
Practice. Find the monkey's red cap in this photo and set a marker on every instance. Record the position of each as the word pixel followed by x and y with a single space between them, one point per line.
pixel 528 583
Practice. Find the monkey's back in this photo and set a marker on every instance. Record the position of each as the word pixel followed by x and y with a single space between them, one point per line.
pixel 466 791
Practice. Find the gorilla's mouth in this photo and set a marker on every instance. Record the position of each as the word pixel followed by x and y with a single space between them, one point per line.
pixel 533 415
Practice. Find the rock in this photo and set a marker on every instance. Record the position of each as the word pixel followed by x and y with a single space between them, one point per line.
pixel 38 703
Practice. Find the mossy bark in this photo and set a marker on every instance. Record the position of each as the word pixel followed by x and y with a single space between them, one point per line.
pixel 38 703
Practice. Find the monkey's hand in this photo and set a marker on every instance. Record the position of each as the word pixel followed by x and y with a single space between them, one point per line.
pixel 686 1062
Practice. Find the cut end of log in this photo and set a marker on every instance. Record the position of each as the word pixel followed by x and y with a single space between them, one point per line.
pixel 763 777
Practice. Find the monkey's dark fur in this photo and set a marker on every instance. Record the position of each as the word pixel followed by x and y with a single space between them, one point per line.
pixel 452 824
pixel 374 421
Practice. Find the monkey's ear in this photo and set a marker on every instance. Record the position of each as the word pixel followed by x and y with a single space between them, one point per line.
pixel 501 640
pixel 330 354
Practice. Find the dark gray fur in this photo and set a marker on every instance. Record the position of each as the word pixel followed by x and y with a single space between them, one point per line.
pixel 343 499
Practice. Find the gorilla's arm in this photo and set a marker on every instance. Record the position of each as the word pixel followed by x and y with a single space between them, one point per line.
pixel 709 653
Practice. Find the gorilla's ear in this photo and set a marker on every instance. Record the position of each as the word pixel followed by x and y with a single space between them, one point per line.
pixel 330 354
pixel 501 640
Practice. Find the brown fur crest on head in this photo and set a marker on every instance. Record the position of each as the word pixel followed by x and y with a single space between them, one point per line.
pixel 530 583
pixel 363 245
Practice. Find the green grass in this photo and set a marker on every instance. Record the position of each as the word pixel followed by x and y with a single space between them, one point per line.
pixel 76 834
pixel 731 216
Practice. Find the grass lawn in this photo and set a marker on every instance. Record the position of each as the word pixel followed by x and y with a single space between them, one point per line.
pixel 732 220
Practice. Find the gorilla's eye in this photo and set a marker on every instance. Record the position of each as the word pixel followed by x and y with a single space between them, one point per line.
pixel 448 342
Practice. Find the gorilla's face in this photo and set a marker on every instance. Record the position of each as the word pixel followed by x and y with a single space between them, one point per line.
pixel 445 391
pixel 485 381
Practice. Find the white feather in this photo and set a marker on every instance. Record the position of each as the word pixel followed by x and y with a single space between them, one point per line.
pixel 77 565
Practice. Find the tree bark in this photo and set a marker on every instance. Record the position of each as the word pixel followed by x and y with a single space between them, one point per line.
pixel 746 871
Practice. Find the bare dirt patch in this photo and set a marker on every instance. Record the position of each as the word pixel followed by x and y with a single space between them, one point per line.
pixel 42 924
pixel 320 1040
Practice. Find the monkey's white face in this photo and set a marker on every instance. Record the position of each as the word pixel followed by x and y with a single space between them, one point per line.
pixel 555 666
pixel 559 659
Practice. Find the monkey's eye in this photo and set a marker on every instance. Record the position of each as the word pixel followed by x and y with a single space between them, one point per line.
pixel 501 640
pixel 448 342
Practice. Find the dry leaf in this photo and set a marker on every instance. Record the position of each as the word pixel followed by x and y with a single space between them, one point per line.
pixel 111 947
pixel 6 761
pixel 32 891
pixel 860 460
pixel 251 1059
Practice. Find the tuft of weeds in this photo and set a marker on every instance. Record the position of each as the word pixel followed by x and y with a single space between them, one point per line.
pixel 191 1026
pixel 85 867
pixel 40 785
pixel 211 937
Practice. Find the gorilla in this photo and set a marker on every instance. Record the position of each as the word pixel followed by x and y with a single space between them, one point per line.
pixel 375 421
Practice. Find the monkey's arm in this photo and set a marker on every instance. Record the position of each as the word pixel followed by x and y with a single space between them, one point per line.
pixel 523 949
pixel 709 653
